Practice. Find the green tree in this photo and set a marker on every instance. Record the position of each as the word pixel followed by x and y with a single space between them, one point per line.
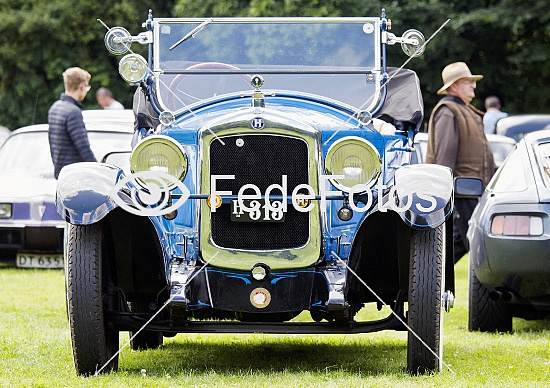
pixel 39 39
pixel 505 40
pixel 512 46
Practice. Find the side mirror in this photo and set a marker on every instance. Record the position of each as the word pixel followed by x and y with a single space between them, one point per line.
pixel 118 40
pixel 412 42
pixel 468 187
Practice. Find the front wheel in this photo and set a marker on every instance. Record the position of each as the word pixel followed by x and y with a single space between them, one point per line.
pixel 93 341
pixel 425 314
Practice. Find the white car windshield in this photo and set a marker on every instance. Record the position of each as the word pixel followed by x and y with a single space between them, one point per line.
pixel 30 151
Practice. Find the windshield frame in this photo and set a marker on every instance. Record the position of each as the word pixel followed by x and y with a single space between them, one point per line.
pixel 377 71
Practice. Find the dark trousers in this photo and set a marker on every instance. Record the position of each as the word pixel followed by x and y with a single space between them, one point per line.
pixel 464 208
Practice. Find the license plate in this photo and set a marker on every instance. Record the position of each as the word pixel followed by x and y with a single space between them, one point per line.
pixel 262 214
pixel 36 260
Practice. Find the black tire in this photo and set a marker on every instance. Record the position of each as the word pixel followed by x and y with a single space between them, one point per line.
pixel 93 342
pixel 485 314
pixel 426 287
pixel 146 339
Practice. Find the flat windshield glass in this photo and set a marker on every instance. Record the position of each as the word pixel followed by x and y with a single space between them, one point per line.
pixel 30 151
pixel 332 59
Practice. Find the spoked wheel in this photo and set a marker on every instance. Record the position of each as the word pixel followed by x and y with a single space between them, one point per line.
pixel 485 314
pixel 426 287
pixel 88 276
pixel 146 339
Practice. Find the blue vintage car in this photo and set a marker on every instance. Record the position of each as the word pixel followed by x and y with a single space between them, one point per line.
pixel 270 175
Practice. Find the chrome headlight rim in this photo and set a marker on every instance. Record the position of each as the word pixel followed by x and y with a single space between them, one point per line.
pixel 351 140
pixel 166 140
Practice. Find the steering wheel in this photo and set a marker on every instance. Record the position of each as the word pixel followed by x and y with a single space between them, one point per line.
pixel 206 88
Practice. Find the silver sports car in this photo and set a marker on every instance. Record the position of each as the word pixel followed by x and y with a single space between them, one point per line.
pixel 509 237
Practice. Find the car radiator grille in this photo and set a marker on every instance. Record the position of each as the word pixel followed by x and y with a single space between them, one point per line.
pixel 260 160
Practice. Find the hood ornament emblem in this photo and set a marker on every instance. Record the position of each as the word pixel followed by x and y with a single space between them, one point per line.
pixel 257 123
pixel 257 82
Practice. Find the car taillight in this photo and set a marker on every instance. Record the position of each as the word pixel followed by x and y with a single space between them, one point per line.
pixel 513 225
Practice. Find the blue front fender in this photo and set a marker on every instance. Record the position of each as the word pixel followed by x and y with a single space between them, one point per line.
pixel 424 192
pixel 83 191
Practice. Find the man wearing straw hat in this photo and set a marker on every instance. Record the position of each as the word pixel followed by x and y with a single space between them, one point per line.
pixel 456 139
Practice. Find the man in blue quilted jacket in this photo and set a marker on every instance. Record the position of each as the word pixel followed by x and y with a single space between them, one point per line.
pixel 67 132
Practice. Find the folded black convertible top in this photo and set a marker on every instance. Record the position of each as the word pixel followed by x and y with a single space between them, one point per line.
pixel 404 102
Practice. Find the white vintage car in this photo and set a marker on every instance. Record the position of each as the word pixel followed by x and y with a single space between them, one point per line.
pixel 501 146
pixel 31 230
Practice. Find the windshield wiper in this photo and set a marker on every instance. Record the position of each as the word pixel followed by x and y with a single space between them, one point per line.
pixel 192 32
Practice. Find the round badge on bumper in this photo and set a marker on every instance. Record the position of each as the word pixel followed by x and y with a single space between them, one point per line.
pixel 260 298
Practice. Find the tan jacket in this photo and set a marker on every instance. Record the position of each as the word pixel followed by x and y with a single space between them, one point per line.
pixel 466 139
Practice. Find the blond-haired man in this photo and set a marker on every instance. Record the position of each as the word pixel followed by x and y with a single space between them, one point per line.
pixel 456 139
pixel 67 132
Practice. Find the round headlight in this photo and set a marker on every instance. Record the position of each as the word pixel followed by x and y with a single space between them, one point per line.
pixel 133 68
pixel 159 153
pixel 354 158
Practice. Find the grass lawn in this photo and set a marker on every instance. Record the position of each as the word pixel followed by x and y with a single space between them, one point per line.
pixel 35 350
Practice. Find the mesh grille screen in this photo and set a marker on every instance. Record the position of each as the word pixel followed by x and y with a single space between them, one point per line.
pixel 261 160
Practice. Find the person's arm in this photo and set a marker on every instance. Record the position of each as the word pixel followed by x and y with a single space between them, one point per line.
pixel 446 138
pixel 79 136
